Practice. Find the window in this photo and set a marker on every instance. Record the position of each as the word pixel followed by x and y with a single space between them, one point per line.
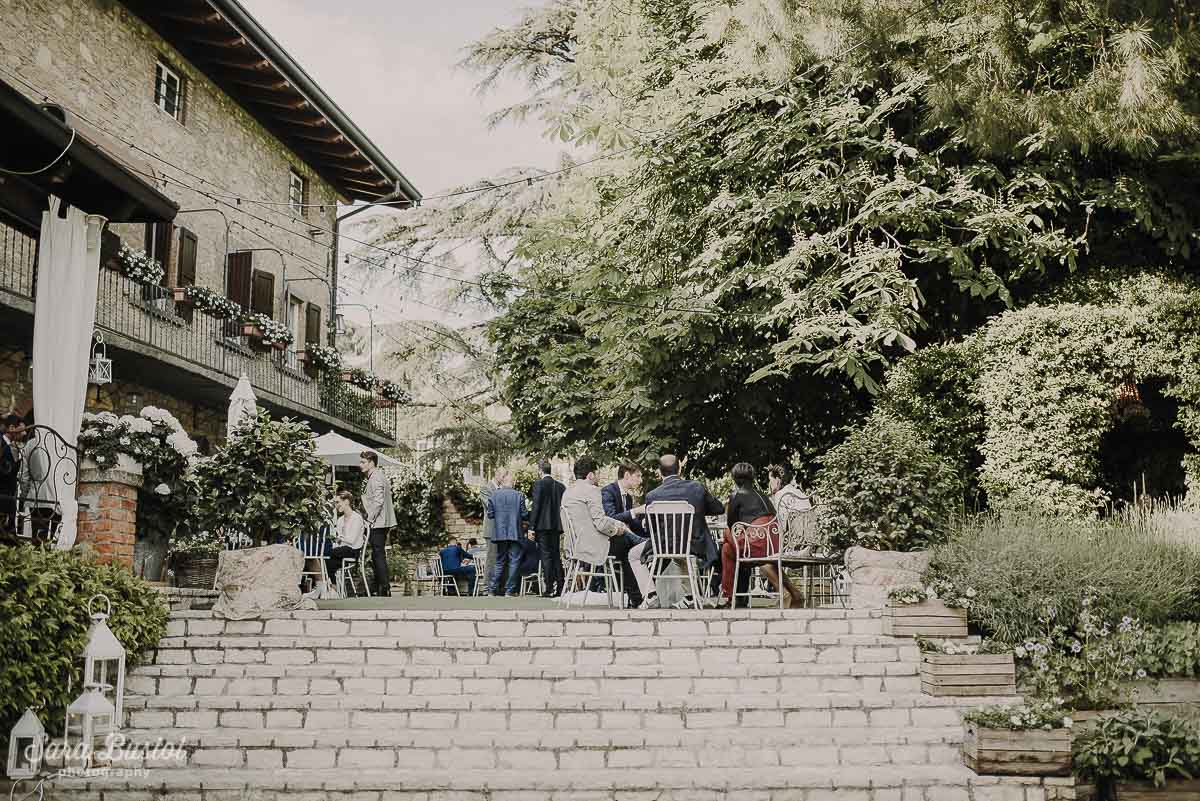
pixel 169 91
pixel 262 299
pixel 297 192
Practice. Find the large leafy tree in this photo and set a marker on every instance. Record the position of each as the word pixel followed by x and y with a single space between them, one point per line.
pixel 790 197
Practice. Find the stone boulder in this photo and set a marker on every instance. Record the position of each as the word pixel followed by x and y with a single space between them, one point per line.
pixel 256 580
pixel 874 573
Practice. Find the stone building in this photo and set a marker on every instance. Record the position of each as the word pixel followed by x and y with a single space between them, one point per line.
pixel 194 100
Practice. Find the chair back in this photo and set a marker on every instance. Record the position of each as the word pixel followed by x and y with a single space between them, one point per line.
pixel 572 536
pixel 801 530
pixel 670 525
pixel 313 547
pixel 757 541
pixel 236 540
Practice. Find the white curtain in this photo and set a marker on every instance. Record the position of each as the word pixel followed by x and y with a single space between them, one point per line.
pixel 64 317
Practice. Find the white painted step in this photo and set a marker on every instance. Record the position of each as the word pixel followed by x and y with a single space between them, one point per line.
pixel 857 783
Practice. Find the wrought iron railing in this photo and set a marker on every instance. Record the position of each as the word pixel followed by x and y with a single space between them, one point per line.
pixel 149 315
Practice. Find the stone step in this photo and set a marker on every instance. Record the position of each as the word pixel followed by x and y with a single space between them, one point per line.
pixel 554 750
pixel 462 680
pixel 412 625
pixel 851 783
pixel 539 712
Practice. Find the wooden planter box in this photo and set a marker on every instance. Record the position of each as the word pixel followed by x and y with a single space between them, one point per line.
pixel 1180 697
pixel 926 619
pixel 1174 790
pixel 1001 752
pixel 968 674
pixel 180 296
pixel 1084 719
pixel 384 403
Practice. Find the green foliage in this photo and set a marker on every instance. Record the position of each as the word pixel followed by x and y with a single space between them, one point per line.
pixel 1172 651
pixel 936 390
pixel 1139 746
pixel 1023 717
pixel 265 482
pixel 1022 565
pixel 884 489
pixel 44 624
pixel 523 480
pixel 419 515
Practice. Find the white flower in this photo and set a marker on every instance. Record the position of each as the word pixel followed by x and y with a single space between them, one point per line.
pixel 1019 652
pixel 100 460
pixel 184 445
pixel 1068 722
pixel 970 593
pixel 141 425
pixel 1016 720
pixel 124 440
pixel 107 417
pixel 1141 674
pixel 162 489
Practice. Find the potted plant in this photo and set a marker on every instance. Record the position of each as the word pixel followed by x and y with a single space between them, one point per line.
pixel 193 557
pixel 919 611
pixel 265 332
pixel 885 498
pixel 1145 756
pixel 206 300
pixel 1025 740
pixel 951 668
pixel 321 357
pixel 139 267
pixel 363 379
pixel 391 393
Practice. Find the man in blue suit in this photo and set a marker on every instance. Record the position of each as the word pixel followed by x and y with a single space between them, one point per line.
pixel 456 562
pixel 507 508
pixel 675 488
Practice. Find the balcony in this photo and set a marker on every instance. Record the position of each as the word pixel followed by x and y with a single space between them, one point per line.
pixel 192 355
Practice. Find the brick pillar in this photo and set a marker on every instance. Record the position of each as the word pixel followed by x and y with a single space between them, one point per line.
pixel 108 510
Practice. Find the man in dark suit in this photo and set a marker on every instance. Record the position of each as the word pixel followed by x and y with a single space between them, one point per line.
pixel 675 488
pixel 10 466
pixel 618 497
pixel 546 519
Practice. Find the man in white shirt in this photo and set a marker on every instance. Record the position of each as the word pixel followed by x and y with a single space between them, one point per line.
pixel 350 534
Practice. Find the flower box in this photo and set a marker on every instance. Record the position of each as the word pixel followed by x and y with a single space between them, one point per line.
pixel 1172 790
pixel 1086 718
pixel 968 674
pixel 347 375
pixel 925 619
pixel 1007 752
pixel 180 295
pixel 257 338
pixel 1180 697
pixel 384 403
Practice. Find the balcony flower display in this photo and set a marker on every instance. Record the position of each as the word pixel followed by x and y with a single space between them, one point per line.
pixel 208 301
pixel 391 391
pixel 362 379
pixel 140 267
pixel 272 333
pixel 323 358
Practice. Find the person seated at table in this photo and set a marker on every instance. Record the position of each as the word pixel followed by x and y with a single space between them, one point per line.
pixel 618 497
pixel 676 488
pixel 350 534
pixel 531 557
pixel 748 505
pixel 457 562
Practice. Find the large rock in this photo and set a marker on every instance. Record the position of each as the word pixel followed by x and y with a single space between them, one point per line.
pixel 873 573
pixel 256 580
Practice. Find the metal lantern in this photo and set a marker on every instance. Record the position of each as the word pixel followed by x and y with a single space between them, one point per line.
pixel 100 371
pixel 104 656
pixel 91 718
pixel 26 745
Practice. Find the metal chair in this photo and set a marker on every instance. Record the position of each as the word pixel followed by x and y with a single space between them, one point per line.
pixel 346 573
pixel 822 576
pixel 670 527
pixel 532 577
pixel 481 574
pixel 442 577
pixel 313 549
pixel 579 569
pixel 765 540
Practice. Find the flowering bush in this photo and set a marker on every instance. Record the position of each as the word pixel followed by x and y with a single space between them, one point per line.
pixel 212 303
pixel 167 455
pixel 323 358
pixel 420 524
pixel 140 267
pixel 1087 659
pixel 394 392
pixel 364 379
pixel 959 648
pixel 936 589
pixel 273 332
pixel 1045 715
pixel 1139 746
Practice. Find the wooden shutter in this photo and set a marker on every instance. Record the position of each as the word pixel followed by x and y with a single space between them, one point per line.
pixel 312 325
pixel 238 287
pixel 187 258
pixel 263 299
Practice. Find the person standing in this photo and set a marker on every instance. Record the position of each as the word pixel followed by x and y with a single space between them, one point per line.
pixel 10 466
pixel 489 529
pixel 380 517
pixel 547 526
pixel 507 508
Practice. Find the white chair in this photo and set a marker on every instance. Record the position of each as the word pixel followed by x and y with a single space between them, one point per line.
pixel 236 540
pixel 530 579
pixel 670 526
pixel 584 570
pixel 443 579
pixel 822 576
pixel 426 575
pixel 481 574
pixel 756 546
pixel 346 574
pixel 313 549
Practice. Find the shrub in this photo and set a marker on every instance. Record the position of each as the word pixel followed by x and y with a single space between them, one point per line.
pixel 884 489
pixel 936 389
pixel 523 480
pixel 266 481
pixel 419 519
pixel 43 606
pixel 1172 651
pixel 1139 746
pixel 1020 565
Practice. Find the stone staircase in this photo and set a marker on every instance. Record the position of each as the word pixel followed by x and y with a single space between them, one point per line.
pixel 538 705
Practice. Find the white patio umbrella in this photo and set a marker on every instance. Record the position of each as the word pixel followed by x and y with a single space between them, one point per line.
pixel 68 272
pixel 241 403
pixel 340 451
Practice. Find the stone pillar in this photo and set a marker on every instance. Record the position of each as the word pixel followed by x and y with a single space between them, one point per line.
pixel 108 509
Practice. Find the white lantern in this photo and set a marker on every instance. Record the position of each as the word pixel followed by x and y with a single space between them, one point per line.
pixel 26 745
pixel 91 718
pixel 100 368
pixel 104 656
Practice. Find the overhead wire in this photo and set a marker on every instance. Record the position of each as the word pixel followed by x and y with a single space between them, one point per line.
pixel 40 170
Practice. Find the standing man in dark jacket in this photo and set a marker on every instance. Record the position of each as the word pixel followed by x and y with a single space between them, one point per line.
pixel 547 525
pixel 10 465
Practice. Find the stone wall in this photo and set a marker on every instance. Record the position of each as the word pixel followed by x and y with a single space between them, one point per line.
pixel 97 59
pixel 457 525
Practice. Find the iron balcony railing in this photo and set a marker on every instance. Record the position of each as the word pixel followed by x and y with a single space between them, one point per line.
pixel 149 315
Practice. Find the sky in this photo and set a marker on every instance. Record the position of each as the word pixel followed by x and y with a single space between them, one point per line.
pixel 391 65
